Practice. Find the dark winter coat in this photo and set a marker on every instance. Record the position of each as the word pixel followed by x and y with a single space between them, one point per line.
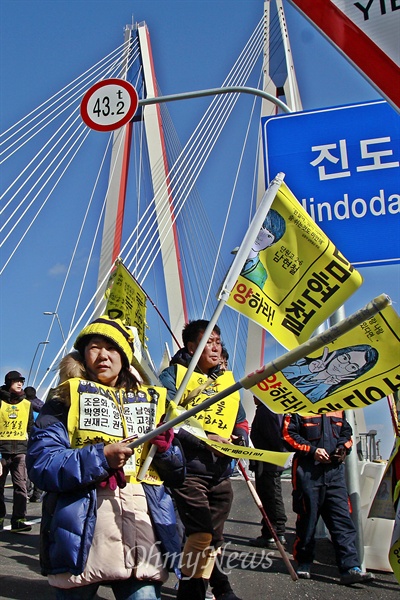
pixel 266 433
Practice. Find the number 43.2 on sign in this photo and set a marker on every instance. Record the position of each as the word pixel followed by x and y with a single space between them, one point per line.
pixel 109 104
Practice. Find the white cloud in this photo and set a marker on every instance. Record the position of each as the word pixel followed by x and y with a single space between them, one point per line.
pixel 57 269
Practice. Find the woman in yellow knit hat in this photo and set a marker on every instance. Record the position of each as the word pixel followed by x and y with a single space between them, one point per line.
pixel 99 524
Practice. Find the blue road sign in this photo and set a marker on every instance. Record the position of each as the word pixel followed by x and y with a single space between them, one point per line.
pixel 343 165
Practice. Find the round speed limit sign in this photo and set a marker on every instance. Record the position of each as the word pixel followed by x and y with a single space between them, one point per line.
pixel 109 104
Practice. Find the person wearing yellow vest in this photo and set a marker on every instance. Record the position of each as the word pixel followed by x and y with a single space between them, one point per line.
pixel 16 420
pixel 99 524
pixel 205 497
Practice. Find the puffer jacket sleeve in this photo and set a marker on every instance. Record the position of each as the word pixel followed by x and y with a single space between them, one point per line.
pixel 54 466
pixel 170 465
pixel 162 513
pixel 241 427
pixel 168 379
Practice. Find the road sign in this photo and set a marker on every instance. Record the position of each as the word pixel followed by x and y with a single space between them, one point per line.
pixel 343 165
pixel 366 33
pixel 109 104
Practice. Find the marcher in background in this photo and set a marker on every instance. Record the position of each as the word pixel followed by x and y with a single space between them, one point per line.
pixel 266 434
pixel 16 420
pixel 30 393
pixel 321 443
pixel 224 359
pixel 34 494
pixel 204 499
pixel 99 525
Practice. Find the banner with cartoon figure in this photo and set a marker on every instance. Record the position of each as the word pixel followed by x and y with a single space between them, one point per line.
pixel 126 300
pixel 294 277
pixel 353 371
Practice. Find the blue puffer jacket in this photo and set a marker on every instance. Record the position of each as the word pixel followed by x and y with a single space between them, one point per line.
pixel 69 478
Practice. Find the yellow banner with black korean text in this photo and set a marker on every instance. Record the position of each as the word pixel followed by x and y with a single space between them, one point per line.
pixel 193 426
pixel 276 458
pixel 126 300
pixel 294 277
pixel 355 370
pixel 102 414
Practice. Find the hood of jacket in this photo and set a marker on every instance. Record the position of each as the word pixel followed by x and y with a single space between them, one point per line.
pixel 72 366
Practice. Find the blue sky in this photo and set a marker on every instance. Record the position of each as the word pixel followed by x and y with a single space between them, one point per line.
pixel 46 44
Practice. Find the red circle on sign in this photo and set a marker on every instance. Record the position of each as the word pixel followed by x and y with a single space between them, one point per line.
pixel 109 117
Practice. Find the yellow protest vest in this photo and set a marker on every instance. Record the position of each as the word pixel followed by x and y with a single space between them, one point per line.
pixel 14 419
pixel 219 418
pixel 102 414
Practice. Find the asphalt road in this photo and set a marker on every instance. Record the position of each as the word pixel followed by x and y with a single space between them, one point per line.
pixel 255 574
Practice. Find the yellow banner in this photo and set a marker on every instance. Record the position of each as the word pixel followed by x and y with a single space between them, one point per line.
pixel 382 504
pixel 126 300
pixel 276 458
pixel 294 277
pixel 100 413
pixel 353 371
pixel 193 426
pixel 14 420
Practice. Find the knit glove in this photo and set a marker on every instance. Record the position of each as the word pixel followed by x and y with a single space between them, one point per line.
pixel 115 479
pixel 163 440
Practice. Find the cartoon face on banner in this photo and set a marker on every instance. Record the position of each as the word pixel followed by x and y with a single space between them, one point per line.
pixel 272 230
pixel 294 277
pixel 353 371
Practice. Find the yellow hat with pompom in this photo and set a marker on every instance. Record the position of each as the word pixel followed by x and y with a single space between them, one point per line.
pixel 112 329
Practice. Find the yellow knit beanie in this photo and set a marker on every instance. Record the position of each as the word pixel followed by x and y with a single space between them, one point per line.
pixel 112 329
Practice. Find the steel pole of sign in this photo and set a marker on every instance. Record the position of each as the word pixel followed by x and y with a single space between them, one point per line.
pixel 229 89
pixel 351 467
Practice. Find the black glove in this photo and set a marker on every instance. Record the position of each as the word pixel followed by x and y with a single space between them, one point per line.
pixel 238 440
pixel 339 455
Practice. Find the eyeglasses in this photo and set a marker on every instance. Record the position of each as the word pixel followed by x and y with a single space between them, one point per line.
pixel 19 380
pixel 350 367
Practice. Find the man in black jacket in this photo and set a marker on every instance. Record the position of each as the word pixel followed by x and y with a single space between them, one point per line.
pixel 16 420
pixel 266 434
pixel 204 499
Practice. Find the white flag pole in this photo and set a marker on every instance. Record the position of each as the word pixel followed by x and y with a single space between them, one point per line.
pixel 226 288
pixel 233 273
